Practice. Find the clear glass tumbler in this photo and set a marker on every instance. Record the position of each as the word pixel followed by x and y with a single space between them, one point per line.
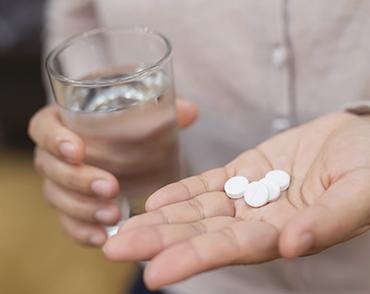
pixel 114 88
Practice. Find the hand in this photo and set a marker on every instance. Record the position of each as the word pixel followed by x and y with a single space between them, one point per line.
pixel 192 226
pixel 81 194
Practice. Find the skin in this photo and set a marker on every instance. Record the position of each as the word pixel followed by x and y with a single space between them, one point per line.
pixel 192 226
pixel 69 183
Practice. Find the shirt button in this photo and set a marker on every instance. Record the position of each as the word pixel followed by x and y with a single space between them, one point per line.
pixel 280 124
pixel 279 56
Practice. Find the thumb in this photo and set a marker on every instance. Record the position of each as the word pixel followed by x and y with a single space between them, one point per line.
pixel 187 113
pixel 341 213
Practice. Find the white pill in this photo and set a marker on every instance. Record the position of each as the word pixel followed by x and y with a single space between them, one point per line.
pixel 273 188
pixel 256 194
pixel 235 187
pixel 280 177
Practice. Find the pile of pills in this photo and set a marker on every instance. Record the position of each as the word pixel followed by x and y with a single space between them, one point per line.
pixel 258 193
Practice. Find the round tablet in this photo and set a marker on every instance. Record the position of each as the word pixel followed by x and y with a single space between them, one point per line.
pixel 280 177
pixel 256 194
pixel 235 187
pixel 273 188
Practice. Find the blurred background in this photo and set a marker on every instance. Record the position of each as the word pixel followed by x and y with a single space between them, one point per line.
pixel 35 256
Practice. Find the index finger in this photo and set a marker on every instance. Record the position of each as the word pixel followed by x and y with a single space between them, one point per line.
pixel 251 164
pixel 210 181
pixel 48 132
pixel 242 242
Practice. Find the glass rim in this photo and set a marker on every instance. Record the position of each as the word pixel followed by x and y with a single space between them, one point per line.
pixel 130 77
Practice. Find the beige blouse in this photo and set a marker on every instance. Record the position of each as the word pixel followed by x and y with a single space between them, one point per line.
pixel 254 67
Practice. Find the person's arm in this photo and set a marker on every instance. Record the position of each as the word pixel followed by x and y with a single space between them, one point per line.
pixel 192 226
pixel 80 194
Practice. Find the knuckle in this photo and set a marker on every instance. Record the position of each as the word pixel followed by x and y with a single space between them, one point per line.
pixel 74 210
pixel 89 218
pixel 197 207
pixel 72 179
pixel 51 142
pixel 203 179
pixel 199 227
pixel 83 210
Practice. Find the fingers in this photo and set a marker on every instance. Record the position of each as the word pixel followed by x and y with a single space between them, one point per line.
pixel 342 213
pixel 188 188
pixel 80 207
pixel 145 242
pixel 84 233
pixel 187 113
pixel 47 131
pixel 83 179
pixel 252 164
pixel 201 207
pixel 242 242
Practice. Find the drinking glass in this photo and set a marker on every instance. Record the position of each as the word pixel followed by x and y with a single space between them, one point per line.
pixel 114 88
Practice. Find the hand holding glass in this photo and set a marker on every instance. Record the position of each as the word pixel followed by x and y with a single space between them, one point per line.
pixel 114 88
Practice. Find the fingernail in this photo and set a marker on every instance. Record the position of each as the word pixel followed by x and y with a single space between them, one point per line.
pixel 305 243
pixel 102 188
pixel 68 149
pixel 97 239
pixel 105 215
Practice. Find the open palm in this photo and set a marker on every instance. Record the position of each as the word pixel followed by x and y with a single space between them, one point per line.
pixel 192 226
